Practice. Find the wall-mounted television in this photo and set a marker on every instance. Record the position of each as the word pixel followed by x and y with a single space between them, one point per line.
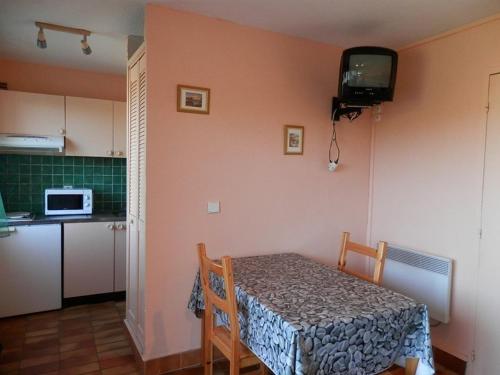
pixel 367 75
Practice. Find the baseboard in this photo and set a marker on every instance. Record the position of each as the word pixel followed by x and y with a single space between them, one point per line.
pixel 94 298
pixel 449 361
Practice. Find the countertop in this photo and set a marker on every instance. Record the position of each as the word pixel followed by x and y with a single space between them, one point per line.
pixel 58 219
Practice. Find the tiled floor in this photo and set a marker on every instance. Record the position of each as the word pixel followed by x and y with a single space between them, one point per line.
pixel 88 339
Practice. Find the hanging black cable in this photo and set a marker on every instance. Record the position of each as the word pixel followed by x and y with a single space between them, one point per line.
pixel 332 142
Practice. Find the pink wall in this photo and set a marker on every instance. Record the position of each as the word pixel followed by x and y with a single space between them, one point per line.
pixel 270 202
pixel 428 163
pixel 46 79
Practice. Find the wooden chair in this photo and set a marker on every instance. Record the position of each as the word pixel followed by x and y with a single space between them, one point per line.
pixel 226 340
pixel 378 254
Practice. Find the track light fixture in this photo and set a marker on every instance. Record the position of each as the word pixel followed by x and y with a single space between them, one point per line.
pixel 41 42
pixel 85 46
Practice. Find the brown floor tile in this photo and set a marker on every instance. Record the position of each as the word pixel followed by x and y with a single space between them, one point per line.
pixel 41 324
pixel 115 353
pixel 82 369
pixel 117 361
pixel 113 345
pixel 40 339
pixel 78 361
pixel 77 345
pixel 78 353
pixel 11 355
pixel 28 353
pixel 40 360
pixel 76 338
pixel 39 370
pixel 76 331
pixel 107 340
pixel 42 332
pixel 120 370
pixel 6 368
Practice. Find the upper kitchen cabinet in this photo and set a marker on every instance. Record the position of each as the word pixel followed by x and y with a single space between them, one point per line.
pixel 29 113
pixel 89 127
pixel 120 129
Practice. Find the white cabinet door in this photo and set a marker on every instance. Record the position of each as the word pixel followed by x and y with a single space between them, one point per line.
pixel 120 256
pixel 89 127
pixel 88 258
pixel 29 113
pixel 30 270
pixel 120 129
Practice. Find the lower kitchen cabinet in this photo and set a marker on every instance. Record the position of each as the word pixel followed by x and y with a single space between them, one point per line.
pixel 30 269
pixel 120 256
pixel 93 258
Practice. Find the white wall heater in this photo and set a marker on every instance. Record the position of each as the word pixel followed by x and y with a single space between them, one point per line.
pixel 423 277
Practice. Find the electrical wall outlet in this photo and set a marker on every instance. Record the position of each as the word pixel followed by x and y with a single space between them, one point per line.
pixel 213 207
pixel 332 166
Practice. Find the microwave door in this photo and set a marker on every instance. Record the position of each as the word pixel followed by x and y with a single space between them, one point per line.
pixel 68 202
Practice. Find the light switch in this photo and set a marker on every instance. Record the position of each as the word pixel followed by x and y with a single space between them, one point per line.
pixel 214 207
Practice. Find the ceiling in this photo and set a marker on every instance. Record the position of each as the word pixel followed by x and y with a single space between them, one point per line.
pixel 345 23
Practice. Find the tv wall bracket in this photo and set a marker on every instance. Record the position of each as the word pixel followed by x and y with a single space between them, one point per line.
pixel 344 108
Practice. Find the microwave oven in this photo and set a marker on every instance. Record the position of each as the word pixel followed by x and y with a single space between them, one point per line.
pixel 68 201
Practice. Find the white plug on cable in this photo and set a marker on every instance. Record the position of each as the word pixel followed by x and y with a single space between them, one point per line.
pixel 332 165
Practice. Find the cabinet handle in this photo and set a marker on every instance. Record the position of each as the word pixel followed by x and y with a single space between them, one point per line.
pixel 119 153
pixel 122 227
pixel 109 153
pixel 110 226
pixel 62 131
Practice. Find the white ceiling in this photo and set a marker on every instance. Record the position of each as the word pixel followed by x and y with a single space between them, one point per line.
pixel 345 23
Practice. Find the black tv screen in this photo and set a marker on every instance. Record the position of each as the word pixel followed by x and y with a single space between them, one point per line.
pixel 367 75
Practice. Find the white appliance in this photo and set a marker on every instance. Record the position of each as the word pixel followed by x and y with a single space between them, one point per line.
pixel 421 276
pixel 68 201
pixel 30 270
pixel 31 143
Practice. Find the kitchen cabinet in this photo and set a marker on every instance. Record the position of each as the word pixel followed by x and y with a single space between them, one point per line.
pixel 88 259
pixel 120 256
pixel 30 270
pixel 30 113
pixel 119 129
pixel 94 258
pixel 89 127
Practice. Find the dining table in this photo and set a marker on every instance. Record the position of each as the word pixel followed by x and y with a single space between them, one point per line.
pixel 301 316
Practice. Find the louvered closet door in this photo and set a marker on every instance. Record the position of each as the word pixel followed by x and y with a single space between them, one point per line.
pixel 142 193
pixel 132 194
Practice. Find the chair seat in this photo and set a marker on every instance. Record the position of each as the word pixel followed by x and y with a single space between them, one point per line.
pixel 222 340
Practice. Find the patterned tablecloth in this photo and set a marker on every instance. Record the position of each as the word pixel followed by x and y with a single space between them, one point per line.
pixel 303 317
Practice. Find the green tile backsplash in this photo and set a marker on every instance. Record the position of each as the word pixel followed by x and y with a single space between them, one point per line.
pixel 24 178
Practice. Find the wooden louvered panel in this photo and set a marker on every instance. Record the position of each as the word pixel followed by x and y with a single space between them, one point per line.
pixel 133 141
pixel 142 146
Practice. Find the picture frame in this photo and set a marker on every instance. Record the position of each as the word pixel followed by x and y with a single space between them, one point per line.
pixel 193 99
pixel 293 140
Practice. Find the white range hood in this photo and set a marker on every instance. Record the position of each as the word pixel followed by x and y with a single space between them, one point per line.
pixel 31 143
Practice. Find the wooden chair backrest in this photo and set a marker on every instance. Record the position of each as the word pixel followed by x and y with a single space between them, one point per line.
pixel 378 254
pixel 227 305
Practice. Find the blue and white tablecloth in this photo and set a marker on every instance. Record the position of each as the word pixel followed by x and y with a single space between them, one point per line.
pixel 303 317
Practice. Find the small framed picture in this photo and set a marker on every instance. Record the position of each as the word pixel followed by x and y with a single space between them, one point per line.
pixel 294 140
pixel 193 99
